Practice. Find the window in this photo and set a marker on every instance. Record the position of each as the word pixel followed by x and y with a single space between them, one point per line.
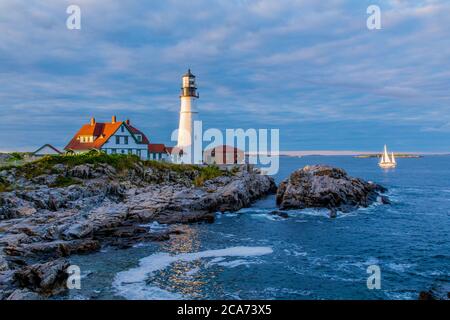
pixel 122 129
pixel 139 137
pixel 113 151
pixel 126 140
pixel 123 151
pixel 117 140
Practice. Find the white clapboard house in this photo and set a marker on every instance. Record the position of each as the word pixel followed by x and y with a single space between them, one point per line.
pixel 116 137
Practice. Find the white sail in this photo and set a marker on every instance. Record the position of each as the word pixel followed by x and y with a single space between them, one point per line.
pixel 392 158
pixel 386 156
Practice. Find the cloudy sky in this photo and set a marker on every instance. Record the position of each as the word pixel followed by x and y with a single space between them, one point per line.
pixel 310 68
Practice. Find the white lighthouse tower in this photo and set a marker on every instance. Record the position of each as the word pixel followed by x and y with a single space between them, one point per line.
pixel 188 114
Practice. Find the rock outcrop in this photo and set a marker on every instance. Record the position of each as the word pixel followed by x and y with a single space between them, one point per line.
pixel 439 291
pixel 57 210
pixel 321 186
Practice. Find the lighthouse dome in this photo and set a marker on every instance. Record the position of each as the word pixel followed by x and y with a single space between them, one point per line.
pixel 189 74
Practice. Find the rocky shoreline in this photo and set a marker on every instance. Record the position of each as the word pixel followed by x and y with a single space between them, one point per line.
pixel 57 210
pixel 51 209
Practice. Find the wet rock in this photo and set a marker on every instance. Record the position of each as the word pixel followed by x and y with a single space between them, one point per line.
pixel 385 200
pixel 327 187
pixel 46 278
pixel 170 217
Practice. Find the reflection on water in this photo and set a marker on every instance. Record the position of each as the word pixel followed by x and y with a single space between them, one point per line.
pixel 182 276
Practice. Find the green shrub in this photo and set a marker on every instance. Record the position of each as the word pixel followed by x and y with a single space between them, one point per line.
pixel 16 156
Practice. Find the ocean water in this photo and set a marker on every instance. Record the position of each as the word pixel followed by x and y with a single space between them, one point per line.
pixel 254 255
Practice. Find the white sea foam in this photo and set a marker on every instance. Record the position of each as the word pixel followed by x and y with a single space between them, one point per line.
pixel 235 263
pixel 400 267
pixel 131 283
pixel 268 216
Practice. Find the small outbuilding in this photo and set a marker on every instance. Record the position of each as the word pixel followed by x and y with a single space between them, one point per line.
pixel 46 150
pixel 224 154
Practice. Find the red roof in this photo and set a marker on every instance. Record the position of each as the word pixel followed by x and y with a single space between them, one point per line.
pixel 133 130
pixel 157 148
pixel 224 149
pixel 101 131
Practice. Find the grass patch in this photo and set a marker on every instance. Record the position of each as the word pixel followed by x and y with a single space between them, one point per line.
pixel 208 173
pixel 203 173
pixel 120 162
pixel 44 165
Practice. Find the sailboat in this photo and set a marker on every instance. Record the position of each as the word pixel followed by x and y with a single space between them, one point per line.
pixel 385 161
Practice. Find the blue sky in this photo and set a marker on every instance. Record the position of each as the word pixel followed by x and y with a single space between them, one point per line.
pixel 310 68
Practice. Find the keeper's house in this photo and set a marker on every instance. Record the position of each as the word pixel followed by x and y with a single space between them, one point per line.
pixel 116 137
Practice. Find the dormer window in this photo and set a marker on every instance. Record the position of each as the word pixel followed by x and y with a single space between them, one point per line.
pixel 86 139
pixel 139 137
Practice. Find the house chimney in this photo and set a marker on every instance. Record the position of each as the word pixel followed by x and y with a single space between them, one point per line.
pixel 113 119
pixel 92 121
pixel 128 122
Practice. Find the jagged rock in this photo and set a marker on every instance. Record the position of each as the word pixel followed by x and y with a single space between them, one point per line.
pixel 78 230
pixel 47 179
pixel 327 187
pixel 53 249
pixel 82 171
pixel 24 294
pixel 46 278
pixel 59 167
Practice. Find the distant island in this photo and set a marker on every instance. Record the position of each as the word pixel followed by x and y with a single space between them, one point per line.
pixel 397 155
